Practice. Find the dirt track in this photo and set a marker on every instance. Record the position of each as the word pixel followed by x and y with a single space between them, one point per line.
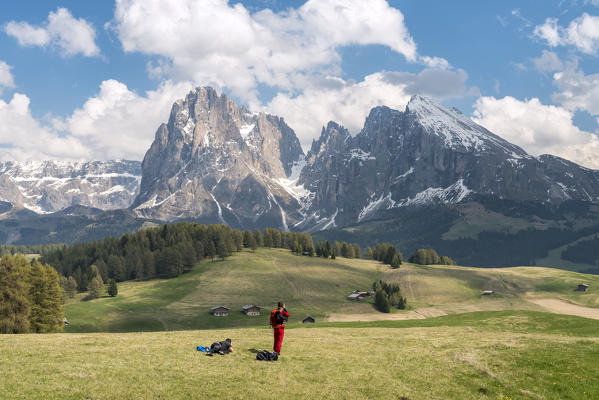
pixel 562 307
pixel 550 305
pixel 415 314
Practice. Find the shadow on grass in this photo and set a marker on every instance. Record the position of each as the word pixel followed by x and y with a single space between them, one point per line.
pixel 255 351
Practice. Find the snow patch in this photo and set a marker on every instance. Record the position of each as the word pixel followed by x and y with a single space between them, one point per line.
pixel 245 130
pixel 331 223
pixel 449 195
pixel 360 155
pixel 376 205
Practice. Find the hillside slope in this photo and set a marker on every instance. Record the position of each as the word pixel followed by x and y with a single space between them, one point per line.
pixel 319 287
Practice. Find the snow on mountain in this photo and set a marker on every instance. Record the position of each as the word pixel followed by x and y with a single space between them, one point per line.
pixel 458 130
pixel 49 186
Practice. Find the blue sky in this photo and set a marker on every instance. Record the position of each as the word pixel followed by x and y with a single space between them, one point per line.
pixel 87 80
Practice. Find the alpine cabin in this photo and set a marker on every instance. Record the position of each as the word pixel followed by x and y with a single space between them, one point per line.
pixel 220 311
pixel 251 310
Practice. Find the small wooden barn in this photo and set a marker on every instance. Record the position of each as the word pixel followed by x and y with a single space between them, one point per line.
pixel 582 287
pixel 308 320
pixel 220 311
pixel 251 310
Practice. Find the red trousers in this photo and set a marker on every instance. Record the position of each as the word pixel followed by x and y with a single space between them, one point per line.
pixel 279 333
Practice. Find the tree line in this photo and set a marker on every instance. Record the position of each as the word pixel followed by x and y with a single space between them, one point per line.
pixel 430 257
pixel 325 249
pixel 164 251
pixel 29 249
pixel 31 297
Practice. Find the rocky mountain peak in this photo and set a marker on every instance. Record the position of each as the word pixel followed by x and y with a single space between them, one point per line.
pixel 456 130
pixel 215 158
pixel 332 139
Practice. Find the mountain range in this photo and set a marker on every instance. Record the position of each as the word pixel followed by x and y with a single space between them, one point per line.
pixel 214 161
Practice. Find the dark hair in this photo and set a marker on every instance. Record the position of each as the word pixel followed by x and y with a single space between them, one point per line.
pixel 280 304
pixel 228 340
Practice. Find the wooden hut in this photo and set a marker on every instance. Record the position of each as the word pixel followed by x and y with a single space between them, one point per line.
pixel 251 310
pixel 308 320
pixel 220 311
pixel 582 287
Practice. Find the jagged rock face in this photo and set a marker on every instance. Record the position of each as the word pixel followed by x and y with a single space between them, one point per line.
pixel 217 162
pixel 425 155
pixel 50 186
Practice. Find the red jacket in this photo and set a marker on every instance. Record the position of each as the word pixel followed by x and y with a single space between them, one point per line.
pixel 273 319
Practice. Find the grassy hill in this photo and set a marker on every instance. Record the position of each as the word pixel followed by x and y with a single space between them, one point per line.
pixel 483 355
pixel 319 287
pixel 486 347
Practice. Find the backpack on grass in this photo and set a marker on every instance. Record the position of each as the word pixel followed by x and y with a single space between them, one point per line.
pixel 266 355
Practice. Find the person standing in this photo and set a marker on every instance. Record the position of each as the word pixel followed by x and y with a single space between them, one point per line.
pixel 278 317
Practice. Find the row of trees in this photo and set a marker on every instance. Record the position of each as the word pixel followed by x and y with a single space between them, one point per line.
pixel 29 249
pixel 31 297
pixel 385 253
pixel 166 251
pixel 343 249
pixel 430 257
pixel 387 296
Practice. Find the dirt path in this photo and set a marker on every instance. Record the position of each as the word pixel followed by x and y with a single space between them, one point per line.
pixel 561 307
pixel 420 313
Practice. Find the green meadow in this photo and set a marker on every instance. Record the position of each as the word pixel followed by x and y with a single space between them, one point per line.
pixel 482 355
pixel 451 343
pixel 318 287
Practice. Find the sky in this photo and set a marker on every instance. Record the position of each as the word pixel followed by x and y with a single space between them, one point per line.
pixel 94 80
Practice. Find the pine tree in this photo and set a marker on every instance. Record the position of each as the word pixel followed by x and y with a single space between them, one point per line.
pixel 389 255
pixel 96 287
pixel 357 250
pixel 113 290
pixel 71 287
pixel 14 305
pixel 369 254
pixel 259 238
pixel 380 301
pixel 396 261
pixel 211 250
pixel 45 296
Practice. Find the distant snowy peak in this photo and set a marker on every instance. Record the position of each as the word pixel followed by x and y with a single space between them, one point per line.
pixel 457 130
pixel 50 186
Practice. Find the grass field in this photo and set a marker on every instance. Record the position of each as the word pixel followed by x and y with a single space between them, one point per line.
pixel 470 346
pixel 484 355
pixel 310 285
pixel 319 287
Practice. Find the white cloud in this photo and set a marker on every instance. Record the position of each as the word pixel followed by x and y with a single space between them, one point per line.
pixel 116 123
pixel 577 91
pixel 215 43
pixel 349 102
pixel 6 78
pixel 61 31
pixel 538 128
pixel 24 138
pixel 582 33
pixel 549 32
pixel 548 62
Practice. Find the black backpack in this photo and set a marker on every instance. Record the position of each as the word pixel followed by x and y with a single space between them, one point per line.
pixel 266 355
pixel 280 318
